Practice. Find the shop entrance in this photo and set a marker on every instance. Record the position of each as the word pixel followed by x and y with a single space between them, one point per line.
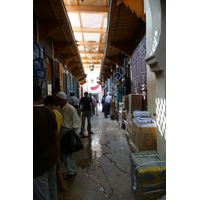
pixel 139 71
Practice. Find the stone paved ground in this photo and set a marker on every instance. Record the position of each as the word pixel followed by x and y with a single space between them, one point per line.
pixel 103 166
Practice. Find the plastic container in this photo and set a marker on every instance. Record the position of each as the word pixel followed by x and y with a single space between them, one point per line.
pixel 139 113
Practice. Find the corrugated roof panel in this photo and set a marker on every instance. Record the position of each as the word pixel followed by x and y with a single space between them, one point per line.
pixel 81 47
pixel 91 37
pixel 91 20
pixel 105 22
pixel 78 36
pixel 74 19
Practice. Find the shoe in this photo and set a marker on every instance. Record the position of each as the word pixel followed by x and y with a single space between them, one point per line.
pixel 68 176
pixel 91 132
pixel 106 117
pixel 81 133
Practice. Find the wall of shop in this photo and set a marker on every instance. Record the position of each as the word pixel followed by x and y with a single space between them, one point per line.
pixel 156 70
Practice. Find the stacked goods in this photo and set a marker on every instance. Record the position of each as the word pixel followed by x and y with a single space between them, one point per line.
pixel 135 102
pixel 129 128
pixel 144 131
pixel 124 114
pixel 148 175
pixel 125 102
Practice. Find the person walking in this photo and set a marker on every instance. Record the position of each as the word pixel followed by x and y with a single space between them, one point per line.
pixel 46 149
pixel 86 112
pixel 96 101
pixel 51 102
pixel 74 101
pixel 91 107
pixel 107 105
pixel 102 102
pixel 70 120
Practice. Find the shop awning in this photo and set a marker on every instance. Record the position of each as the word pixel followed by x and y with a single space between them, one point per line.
pixel 95 87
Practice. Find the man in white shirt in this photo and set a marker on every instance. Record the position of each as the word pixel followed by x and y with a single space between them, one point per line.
pixel 90 94
pixel 70 120
pixel 107 105
pixel 74 101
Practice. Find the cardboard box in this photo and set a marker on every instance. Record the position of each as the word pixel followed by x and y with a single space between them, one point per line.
pixel 129 117
pixel 135 102
pixel 126 102
pixel 129 127
pixel 144 137
pixel 124 114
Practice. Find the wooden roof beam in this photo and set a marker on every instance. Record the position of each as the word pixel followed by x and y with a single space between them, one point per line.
pixel 115 60
pixel 136 6
pixel 79 77
pixel 59 47
pixel 106 76
pixel 93 58
pixel 88 9
pixel 76 70
pixel 46 27
pixel 92 43
pixel 89 62
pixel 107 71
pixel 71 65
pixel 91 52
pixel 89 30
pixel 123 46
pixel 67 58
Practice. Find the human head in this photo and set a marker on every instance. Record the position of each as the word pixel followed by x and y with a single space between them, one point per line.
pixel 110 93
pixel 50 101
pixel 61 98
pixel 71 94
pixel 86 94
pixel 90 94
pixel 37 92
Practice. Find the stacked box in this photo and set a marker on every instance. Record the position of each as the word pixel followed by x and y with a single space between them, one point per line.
pixel 148 175
pixel 135 102
pixel 144 137
pixel 129 127
pixel 125 102
pixel 124 114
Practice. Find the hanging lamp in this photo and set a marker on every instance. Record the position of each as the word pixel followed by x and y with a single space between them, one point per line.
pixel 91 65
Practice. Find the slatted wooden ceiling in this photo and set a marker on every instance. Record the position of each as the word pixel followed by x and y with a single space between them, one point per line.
pixel 89 22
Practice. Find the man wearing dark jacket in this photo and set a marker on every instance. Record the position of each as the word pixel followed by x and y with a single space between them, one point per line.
pixel 86 112
pixel 46 149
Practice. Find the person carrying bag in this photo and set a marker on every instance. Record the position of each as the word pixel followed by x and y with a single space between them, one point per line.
pixel 70 142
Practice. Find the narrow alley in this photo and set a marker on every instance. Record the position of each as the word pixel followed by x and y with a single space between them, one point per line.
pixel 103 166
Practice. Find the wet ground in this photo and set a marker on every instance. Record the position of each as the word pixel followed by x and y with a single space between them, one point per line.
pixel 103 166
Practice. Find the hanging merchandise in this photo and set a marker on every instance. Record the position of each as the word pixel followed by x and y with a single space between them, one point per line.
pixel 40 67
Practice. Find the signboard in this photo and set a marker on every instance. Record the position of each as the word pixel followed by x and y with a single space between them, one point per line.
pixel 117 82
pixel 117 76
